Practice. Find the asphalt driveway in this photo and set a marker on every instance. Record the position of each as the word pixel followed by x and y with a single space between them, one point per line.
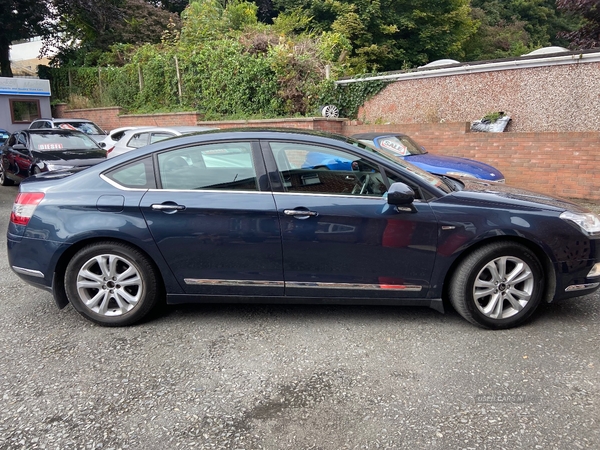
pixel 297 377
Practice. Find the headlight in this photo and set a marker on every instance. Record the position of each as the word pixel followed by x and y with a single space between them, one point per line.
pixel 51 167
pixel 588 223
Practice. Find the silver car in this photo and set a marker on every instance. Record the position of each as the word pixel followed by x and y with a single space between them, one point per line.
pixel 139 137
pixel 84 125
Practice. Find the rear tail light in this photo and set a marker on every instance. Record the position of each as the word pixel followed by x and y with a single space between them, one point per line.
pixel 24 207
pixel 110 150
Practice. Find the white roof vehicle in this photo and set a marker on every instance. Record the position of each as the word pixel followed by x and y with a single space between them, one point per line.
pixel 84 125
pixel 113 136
pixel 139 137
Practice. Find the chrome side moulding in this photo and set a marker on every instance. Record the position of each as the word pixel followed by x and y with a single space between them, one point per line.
pixel 212 282
pixel 370 287
pixel 30 272
pixel 301 284
pixel 581 287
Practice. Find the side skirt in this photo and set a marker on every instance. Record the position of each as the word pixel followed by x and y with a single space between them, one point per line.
pixel 178 299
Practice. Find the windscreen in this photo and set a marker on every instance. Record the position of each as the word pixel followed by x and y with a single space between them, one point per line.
pixel 399 145
pixel 63 141
pixel 84 127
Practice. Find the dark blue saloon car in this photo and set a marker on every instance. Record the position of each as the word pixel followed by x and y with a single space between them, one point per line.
pixel 240 216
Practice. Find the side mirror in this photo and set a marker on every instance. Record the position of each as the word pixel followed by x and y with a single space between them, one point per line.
pixel 400 194
pixel 102 144
pixel 19 147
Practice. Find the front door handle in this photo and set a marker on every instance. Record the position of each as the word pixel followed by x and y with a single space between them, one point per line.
pixel 295 212
pixel 167 207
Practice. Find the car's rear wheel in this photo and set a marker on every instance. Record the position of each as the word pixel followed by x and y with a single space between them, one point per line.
pixel 112 284
pixel 3 180
pixel 497 286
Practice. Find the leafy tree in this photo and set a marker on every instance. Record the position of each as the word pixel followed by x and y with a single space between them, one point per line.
pixel 588 35
pixel 21 19
pixel 389 34
pixel 514 27
pixel 174 6
pixel 98 25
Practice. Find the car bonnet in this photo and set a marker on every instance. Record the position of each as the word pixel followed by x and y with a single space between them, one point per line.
pixel 444 164
pixel 502 195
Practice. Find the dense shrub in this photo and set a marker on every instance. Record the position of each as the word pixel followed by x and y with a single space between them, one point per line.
pixel 230 66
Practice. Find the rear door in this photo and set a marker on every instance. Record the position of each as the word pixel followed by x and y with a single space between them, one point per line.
pixel 214 220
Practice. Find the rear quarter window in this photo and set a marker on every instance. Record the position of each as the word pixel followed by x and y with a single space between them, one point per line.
pixel 137 174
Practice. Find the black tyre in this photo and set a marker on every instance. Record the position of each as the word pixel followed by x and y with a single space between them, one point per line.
pixel 3 180
pixel 111 283
pixel 497 286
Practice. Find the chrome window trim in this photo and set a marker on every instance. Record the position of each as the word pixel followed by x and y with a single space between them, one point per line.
pixel 232 191
pixel 119 186
pixel 310 194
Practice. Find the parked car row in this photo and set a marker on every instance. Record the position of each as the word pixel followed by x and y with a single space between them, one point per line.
pixel 27 158
pixel 59 144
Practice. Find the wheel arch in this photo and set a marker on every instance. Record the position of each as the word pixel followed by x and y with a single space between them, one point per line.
pixel 58 285
pixel 540 254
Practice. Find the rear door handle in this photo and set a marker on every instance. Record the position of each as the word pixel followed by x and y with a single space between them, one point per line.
pixel 295 212
pixel 167 207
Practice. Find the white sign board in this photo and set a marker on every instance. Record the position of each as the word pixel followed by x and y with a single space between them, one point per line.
pixel 24 86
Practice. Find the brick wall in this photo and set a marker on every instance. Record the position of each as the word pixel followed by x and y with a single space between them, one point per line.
pixel 566 164
pixel 551 98
pixel 111 118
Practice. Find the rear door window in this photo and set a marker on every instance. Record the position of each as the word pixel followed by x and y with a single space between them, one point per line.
pixel 223 166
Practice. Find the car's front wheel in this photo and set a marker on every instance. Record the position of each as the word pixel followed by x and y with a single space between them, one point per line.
pixel 111 283
pixel 497 286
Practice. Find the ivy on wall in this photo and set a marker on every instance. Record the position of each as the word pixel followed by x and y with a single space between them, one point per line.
pixel 351 96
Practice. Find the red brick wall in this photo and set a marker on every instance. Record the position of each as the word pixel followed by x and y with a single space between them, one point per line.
pixel 563 164
pixel 566 164
pixel 111 118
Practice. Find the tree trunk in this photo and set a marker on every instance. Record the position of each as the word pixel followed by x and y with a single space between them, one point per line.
pixel 5 70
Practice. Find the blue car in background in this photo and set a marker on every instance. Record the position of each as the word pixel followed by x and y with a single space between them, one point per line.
pixel 4 135
pixel 401 146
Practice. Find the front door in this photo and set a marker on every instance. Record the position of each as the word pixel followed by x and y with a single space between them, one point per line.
pixel 340 237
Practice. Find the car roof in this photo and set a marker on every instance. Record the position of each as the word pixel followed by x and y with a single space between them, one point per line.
pixel 180 129
pixel 266 133
pixel 374 135
pixel 63 119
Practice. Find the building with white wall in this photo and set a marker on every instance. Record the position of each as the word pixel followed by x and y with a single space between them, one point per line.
pixel 23 100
